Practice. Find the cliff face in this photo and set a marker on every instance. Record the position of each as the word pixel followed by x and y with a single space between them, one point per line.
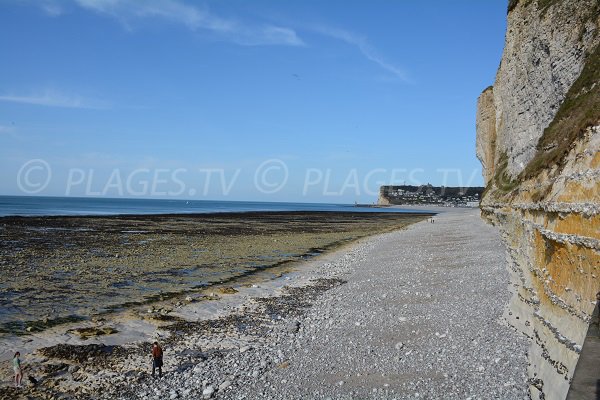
pixel 486 132
pixel 538 138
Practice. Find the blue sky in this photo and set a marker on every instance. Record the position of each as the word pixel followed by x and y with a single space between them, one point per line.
pixel 318 101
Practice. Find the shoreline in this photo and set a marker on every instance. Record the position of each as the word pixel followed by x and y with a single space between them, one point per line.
pixel 61 206
pixel 62 269
pixel 134 331
pixel 130 325
pixel 351 209
pixel 168 304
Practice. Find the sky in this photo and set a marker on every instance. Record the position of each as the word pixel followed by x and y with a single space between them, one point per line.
pixel 307 101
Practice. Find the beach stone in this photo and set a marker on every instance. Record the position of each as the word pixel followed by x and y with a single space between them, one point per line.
pixel 245 349
pixel 208 392
pixel 293 327
pixel 198 369
pixel 224 385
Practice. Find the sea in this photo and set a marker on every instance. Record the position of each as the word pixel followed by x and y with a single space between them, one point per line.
pixel 83 206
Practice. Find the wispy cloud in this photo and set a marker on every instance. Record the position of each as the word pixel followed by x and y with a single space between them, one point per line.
pixel 172 10
pixel 275 34
pixel 54 99
pixel 367 50
pixel 192 16
pixel 51 8
pixel 5 129
pixel 9 131
pixel 200 19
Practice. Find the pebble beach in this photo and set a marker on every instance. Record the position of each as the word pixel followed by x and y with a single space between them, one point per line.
pixel 413 313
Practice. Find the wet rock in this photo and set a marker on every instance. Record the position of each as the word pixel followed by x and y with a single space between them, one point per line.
pixel 88 332
pixel 227 290
pixel 73 368
pixel 51 369
pixel 79 353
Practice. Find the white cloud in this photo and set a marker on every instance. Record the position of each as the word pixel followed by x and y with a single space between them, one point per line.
pixel 51 8
pixel 54 99
pixel 275 33
pixel 365 48
pixel 9 131
pixel 194 18
pixel 172 10
pixel 199 19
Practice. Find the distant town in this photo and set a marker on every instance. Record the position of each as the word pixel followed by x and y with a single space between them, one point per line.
pixel 427 194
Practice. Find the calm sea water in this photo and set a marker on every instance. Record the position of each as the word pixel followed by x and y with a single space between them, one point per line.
pixel 42 206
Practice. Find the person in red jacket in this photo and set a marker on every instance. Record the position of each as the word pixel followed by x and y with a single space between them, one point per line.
pixel 157 359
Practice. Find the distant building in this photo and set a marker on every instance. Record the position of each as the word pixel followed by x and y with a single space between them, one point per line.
pixel 428 194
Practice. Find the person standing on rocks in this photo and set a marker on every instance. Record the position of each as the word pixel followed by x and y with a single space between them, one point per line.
pixel 157 359
pixel 17 369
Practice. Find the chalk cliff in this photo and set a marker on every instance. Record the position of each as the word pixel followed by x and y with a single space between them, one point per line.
pixel 538 139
